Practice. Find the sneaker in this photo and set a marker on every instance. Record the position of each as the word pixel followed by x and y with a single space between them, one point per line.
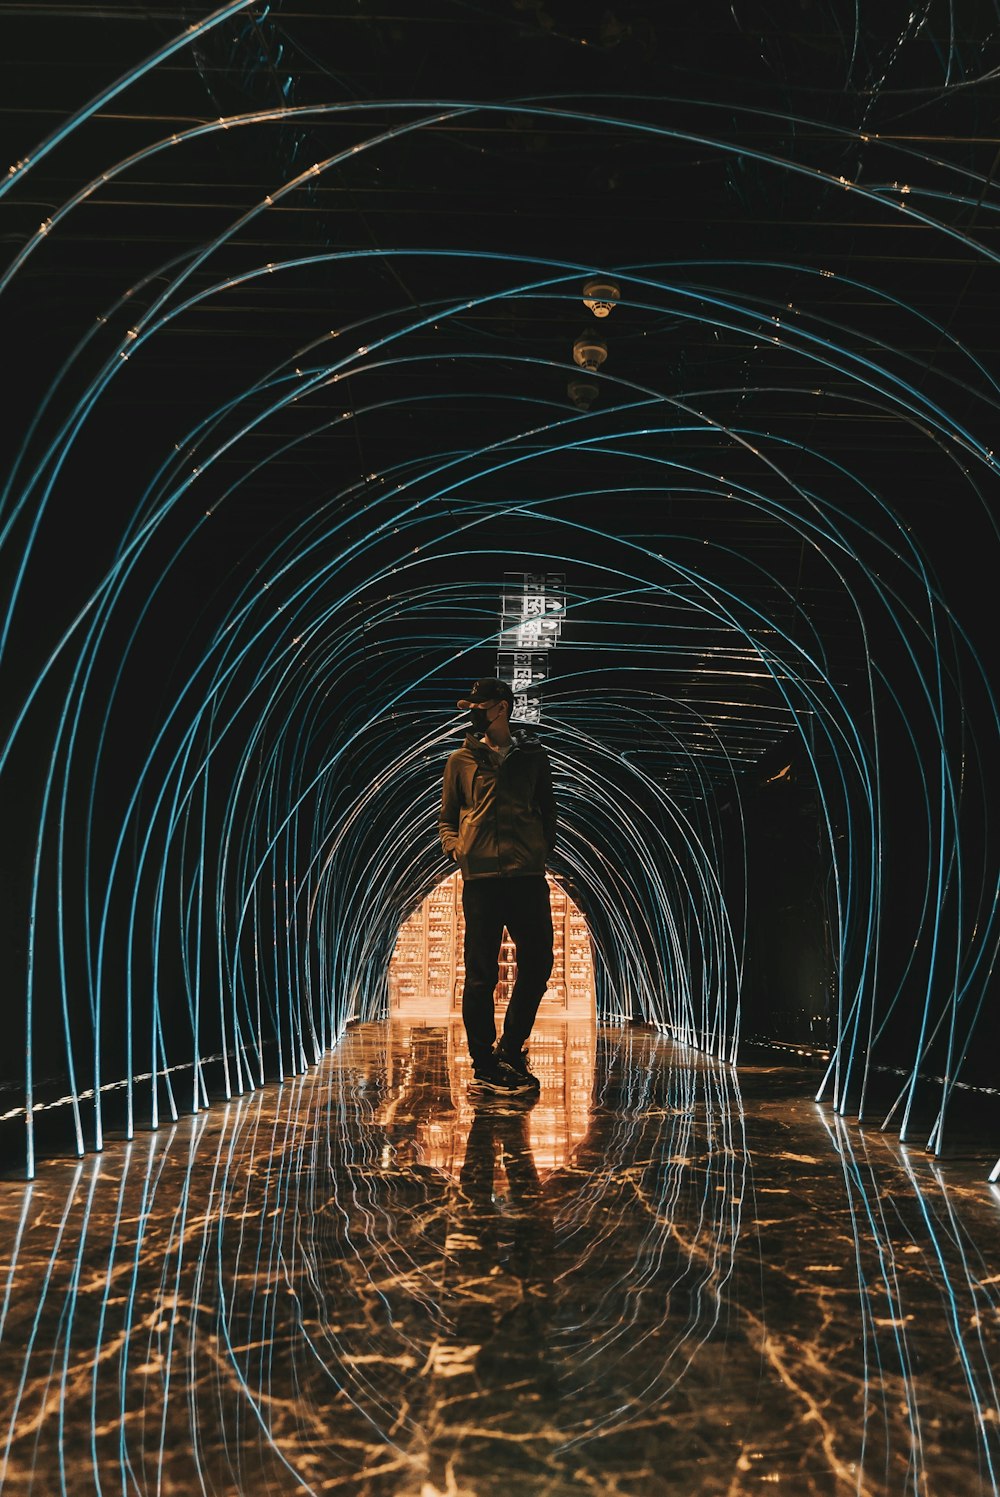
pixel 495 1075
pixel 518 1063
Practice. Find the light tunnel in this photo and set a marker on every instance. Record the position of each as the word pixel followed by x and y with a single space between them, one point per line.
pixel 648 361
pixel 260 511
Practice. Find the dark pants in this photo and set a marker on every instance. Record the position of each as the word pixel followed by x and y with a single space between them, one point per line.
pixel 522 905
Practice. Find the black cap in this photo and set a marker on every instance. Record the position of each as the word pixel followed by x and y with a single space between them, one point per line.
pixel 488 691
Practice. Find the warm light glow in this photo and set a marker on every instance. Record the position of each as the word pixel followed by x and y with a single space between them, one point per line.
pixel 427 969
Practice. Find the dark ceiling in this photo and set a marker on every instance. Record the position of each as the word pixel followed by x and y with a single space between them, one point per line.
pixel 800 213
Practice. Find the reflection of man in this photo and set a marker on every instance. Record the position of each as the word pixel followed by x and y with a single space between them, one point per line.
pixel 498 822
pixel 507 1231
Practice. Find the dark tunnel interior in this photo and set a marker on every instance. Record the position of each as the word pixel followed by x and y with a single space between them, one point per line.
pixel 644 357
pixel 309 424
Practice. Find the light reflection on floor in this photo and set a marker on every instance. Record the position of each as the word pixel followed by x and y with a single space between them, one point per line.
pixel 658 1279
pixel 437 1104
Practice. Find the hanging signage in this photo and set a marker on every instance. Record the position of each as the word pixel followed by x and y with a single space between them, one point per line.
pixel 533 607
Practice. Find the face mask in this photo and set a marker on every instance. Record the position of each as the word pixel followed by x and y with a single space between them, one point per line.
pixel 480 719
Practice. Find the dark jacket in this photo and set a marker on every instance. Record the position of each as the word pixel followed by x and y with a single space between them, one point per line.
pixel 498 820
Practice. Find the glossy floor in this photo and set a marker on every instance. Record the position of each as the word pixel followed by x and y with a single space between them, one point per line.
pixel 662 1277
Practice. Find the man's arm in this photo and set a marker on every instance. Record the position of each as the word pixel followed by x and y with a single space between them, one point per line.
pixel 451 807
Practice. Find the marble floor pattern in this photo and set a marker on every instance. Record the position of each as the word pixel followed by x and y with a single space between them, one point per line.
pixel 665 1276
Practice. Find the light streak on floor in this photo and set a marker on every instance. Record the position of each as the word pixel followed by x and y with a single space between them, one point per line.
pixel 666 1276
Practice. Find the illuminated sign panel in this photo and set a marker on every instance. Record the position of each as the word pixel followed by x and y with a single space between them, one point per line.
pixel 533 605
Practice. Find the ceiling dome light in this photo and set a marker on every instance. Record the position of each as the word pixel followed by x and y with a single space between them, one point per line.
pixel 589 352
pixel 582 393
pixel 600 296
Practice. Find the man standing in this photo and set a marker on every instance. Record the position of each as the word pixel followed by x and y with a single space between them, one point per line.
pixel 498 823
